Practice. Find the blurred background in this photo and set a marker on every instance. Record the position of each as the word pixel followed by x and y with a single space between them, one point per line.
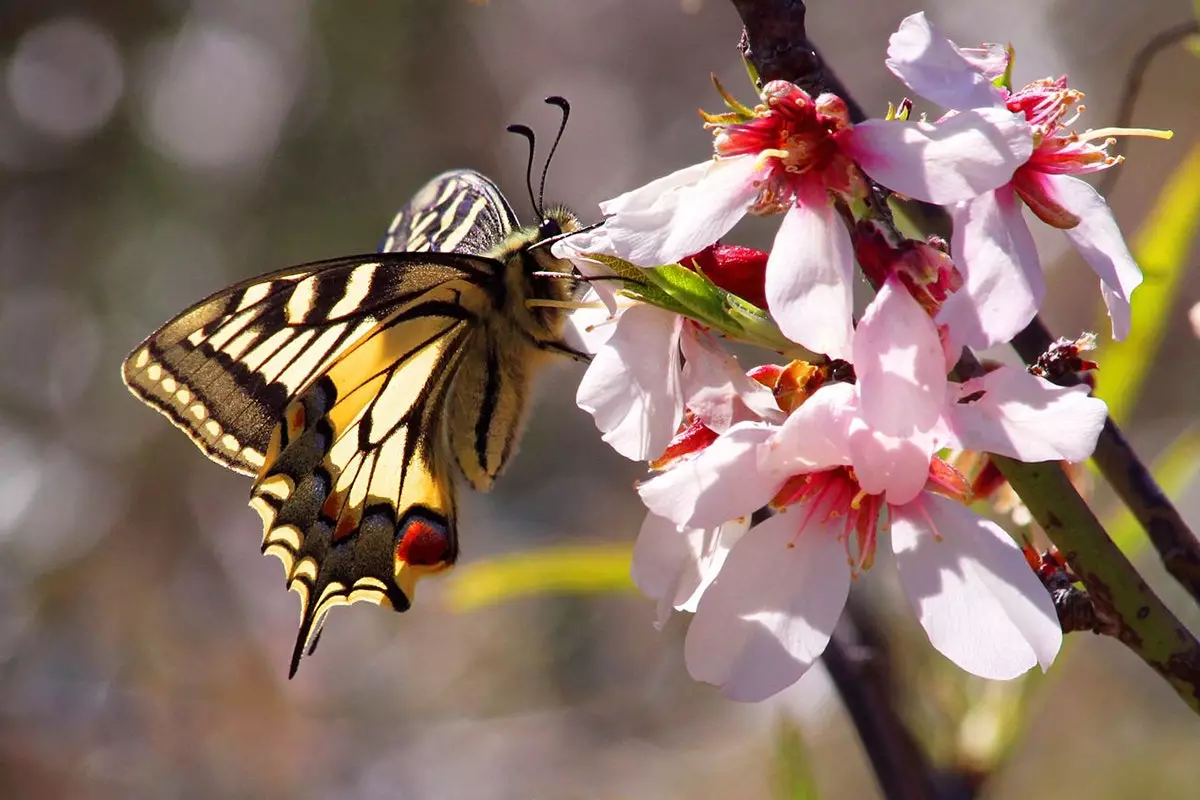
pixel 154 151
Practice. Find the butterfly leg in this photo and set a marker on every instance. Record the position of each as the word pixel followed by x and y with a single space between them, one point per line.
pixel 565 350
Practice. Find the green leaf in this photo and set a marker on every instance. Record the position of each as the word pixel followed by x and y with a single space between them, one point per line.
pixel 676 288
pixel 574 569
pixel 1161 248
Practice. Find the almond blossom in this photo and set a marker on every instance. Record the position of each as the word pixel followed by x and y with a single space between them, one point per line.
pixel 840 470
pixel 992 245
pixel 799 156
pixel 647 363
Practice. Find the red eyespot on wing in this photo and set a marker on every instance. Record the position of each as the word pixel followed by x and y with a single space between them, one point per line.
pixel 424 543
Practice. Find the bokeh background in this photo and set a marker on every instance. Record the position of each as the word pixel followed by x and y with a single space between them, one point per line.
pixel 153 151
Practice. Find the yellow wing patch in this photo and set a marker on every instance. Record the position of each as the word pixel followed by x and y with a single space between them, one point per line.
pixel 355 500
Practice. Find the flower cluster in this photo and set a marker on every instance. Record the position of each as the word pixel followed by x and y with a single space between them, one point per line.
pixel 773 488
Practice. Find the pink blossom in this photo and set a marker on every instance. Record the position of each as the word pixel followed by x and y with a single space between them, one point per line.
pixel 647 364
pixel 992 245
pixel 795 155
pixel 840 469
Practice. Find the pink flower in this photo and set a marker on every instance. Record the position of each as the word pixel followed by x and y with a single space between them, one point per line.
pixel 647 364
pixel 795 155
pixel 848 458
pixel 992 245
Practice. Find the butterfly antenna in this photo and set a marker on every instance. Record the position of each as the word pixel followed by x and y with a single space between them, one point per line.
pixel 565 107
pixel 527 132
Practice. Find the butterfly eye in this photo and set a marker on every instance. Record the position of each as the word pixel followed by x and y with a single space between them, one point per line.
pixel 549 228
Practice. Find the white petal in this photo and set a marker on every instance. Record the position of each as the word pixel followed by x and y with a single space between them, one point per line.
pixel 631 387
pixel 901 371
pixel 657 191
pixel 589 329
pixel 574 248
pixel 933 66
pixel 815 436
pixel 894 466
pixel 809 282
pixel 688 219
pixel 714 550
pixel 1002 277
pixel 716 389
pixel 974 593
pixel 772 609
pixel 1025 417
pixel 721 483
pixel 961 157
pixel 1099 241
pixel 675 565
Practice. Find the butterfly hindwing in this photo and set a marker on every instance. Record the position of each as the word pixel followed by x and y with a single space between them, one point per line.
pixel 356 497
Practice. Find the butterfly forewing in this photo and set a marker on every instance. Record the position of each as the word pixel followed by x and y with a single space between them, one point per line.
pixel 223 370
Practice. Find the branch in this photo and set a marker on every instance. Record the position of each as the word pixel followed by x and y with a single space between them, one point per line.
pixel 1133 86
pixel 777 44
pixel 856 661
pixel 1177 546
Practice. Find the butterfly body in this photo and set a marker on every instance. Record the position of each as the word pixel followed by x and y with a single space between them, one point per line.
pixel 355 389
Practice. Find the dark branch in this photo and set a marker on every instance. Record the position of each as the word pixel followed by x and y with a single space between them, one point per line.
pixel 1133 85
pixel 857 664
pixel 1177 546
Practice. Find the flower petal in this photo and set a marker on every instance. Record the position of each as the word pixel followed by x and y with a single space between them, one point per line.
pixel 1016 414
pixel 717 390
pixel 974 593
pixel 933 66
pixel 815 436
pixel 901 371
pixel 722 483
pixel 1002 276
pixel 636 403
pixel 960 157
pixel 589 328
pixel 1099 241
pixel 772 609
pixel 575 248
pixel 687 219
pixel 809 281
pixel 675 565
pixel 657 191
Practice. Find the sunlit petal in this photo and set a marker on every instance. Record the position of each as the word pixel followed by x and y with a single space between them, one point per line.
pixel 960 157
pixel 1099 241
pixel 723 482
pixel 935 68
pixel 1002 276
pixel 1010 412
pixel 810 279
pixel 631 388
pixel 975 595
pixel 688 219
pixel 771 612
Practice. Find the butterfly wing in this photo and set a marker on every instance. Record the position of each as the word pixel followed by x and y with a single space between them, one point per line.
pixel 223 370
pixel 330 382
pixel 459 211
pixel 356 495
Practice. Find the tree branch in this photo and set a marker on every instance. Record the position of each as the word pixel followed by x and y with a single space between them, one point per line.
pixel 1177 546
pixel 856 661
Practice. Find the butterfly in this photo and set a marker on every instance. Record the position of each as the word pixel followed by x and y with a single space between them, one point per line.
pixel 356 390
